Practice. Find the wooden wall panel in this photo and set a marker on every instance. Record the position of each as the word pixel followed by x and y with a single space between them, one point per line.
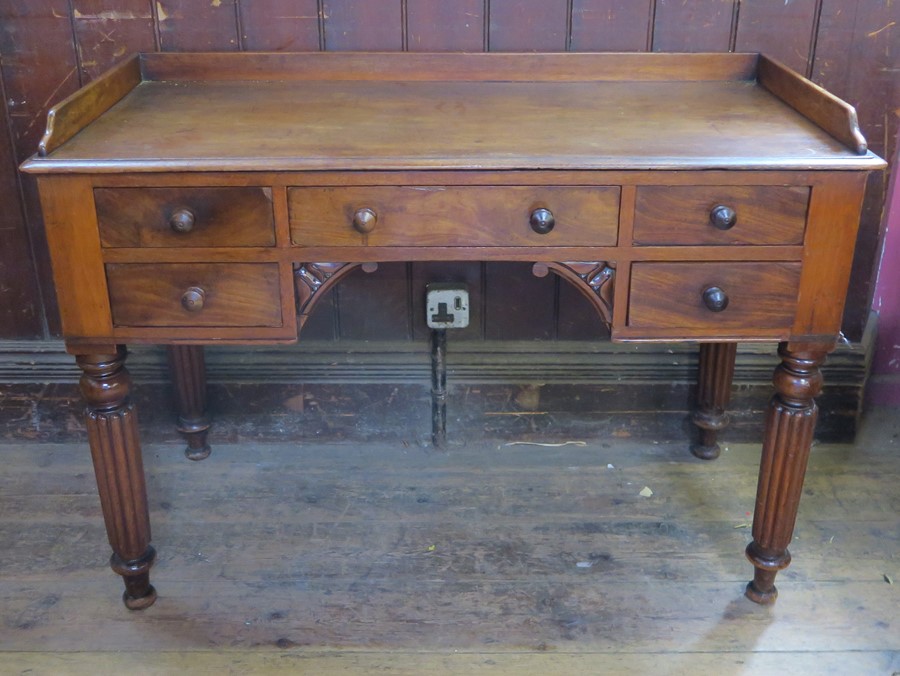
pixel 20 306
pixel 376 304
pixel 783 30
pixel 858 58
pixel 693 25
pixel 279 25
pixel 39 68
pixel 520 305
pixel 577 318
pixel 440 26
pixel 106 32
pixel 611 25
pixel 375 25
pixel 528 26
pixel 197 25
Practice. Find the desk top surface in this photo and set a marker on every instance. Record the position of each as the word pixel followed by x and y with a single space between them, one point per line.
pixel 249 121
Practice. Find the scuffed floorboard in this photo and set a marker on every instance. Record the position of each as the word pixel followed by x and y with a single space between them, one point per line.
pixel 496 557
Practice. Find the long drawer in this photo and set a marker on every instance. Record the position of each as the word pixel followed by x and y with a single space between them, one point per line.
pixel 454 216
pixel 194 294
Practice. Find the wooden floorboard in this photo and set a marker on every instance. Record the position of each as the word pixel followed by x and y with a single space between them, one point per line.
pixel 493 557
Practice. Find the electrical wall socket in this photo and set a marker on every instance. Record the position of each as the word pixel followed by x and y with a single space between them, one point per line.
pixel 447 306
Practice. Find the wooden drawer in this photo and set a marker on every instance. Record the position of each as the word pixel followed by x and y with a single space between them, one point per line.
pixel 453 215
pixel 760 296
pixel 194 294
pixel 183 217
pixel 768 214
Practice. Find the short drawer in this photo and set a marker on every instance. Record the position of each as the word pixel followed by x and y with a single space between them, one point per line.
pixel 720 297
pixel 194 294
pixel 185 217
pixel 725 215
pixel 454 216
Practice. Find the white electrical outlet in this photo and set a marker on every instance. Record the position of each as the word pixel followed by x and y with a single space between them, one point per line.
pixel 447 306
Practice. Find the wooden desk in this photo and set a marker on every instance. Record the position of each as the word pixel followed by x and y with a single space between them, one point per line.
pixel 200 198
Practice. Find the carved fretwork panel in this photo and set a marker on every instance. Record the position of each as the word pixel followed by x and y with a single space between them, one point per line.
pixel 312 280
pixel 595 280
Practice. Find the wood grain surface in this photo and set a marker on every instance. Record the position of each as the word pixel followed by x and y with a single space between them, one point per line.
pixel 218 217
pixel 452 125
pixel 454 216
pixel 235 295
pixel 341 576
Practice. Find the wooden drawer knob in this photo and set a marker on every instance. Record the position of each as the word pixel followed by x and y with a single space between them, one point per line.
pixel 715 299
pixel 364 220
pixel 192 300
pixel 542 221
pixel 723 217
pixel 182 220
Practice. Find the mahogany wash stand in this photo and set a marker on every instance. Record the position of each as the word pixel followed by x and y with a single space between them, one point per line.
pixel 192 199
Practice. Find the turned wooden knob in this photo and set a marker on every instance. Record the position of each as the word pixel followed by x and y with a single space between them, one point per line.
pixel 192 300
pixel 715 299
pixel 542 221
pixel 723 217
pixel 182 220
pixel 364 220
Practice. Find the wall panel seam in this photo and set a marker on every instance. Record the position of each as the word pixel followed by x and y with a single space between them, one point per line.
pixel 735 21
pixel 239 26
pixel 814 39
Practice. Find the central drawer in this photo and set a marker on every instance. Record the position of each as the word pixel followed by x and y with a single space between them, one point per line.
pixel 454 216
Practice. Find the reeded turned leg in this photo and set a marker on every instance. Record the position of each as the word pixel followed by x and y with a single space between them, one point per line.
pixel 790 422
pixel 714 378
pixel 116 451
pixel 188 369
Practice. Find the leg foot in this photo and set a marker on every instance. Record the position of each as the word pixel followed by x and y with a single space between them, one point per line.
pixel 139 593
pixel 715 373
pixel 790 423
pixel 187 366
pixel 116 452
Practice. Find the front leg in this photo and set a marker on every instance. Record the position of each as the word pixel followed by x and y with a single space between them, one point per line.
pixel 790 423
pixel 116 451
pixel 187 366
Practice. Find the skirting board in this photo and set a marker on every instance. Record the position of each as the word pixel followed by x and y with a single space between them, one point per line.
pixel 644 390
pixel 469 362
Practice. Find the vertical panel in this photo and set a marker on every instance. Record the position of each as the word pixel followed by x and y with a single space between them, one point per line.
pixel 375 25
pixel 857 57
pixel 323 320
pixel 529 25
pixel 578 320
pixel 39 69
pixel 611 25
pixel 279 25
pixel 693 25
pixel 106 32
pixel 374 306
pixel 519 306
pixel 439 25
pixel 197 25
pixel 39 65
pixel 782 30
pixel 19 297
